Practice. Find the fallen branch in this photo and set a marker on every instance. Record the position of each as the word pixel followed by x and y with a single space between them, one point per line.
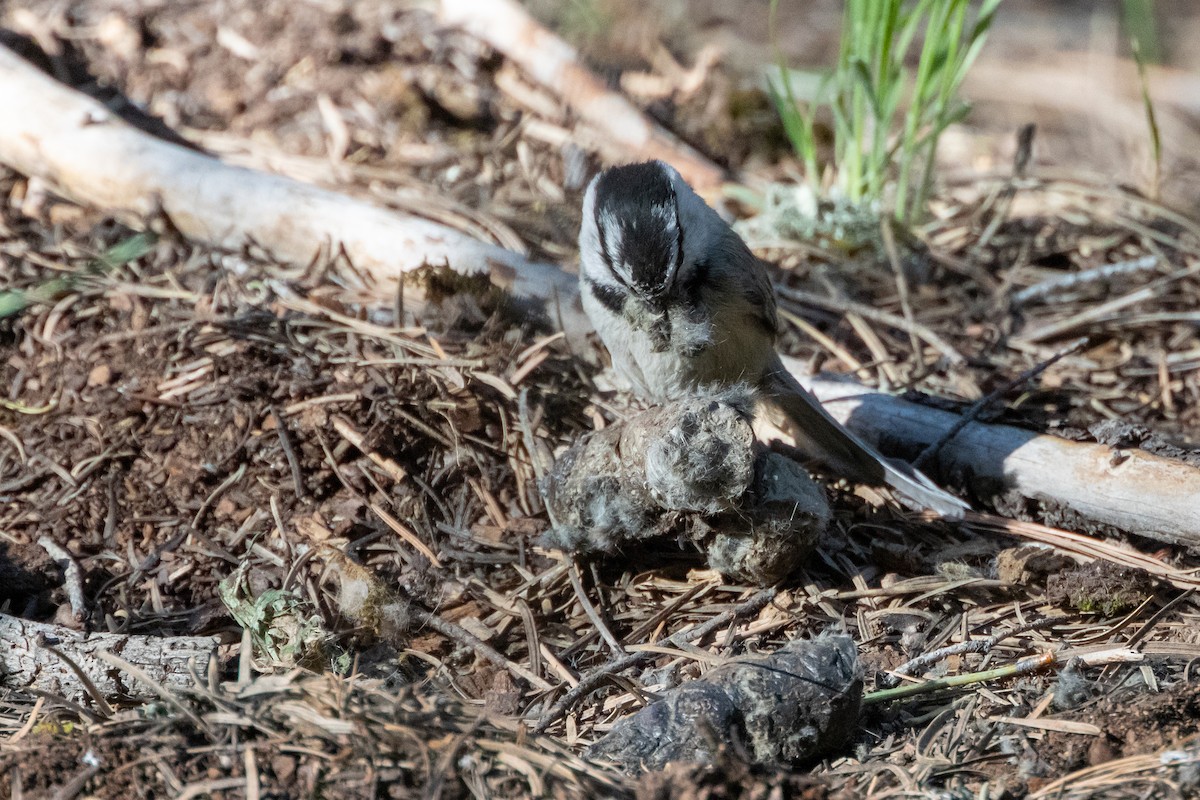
pixel 1132 490
pixel 72 576
pixel 55 133
pixel 554 64
pixel 28 662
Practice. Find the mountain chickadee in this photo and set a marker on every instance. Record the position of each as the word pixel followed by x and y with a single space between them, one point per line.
pixel 681 303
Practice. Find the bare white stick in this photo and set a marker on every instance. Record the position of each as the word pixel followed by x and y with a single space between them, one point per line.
pixel 1093 313
pixel 52 132
pixel 1138 492
pixel 72 575
pixel 1073 280
pixel 554 64
pixel 27 663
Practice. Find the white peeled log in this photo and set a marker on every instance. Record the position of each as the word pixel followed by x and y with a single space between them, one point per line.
pixel 553 63
pixel 50 131
pixel 27 662
pixel 1129 489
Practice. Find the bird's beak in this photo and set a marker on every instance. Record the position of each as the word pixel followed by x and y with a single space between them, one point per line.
pixel 659 294
pixel 657 297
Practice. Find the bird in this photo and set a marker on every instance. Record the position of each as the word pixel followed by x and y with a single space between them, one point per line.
pixel 682 305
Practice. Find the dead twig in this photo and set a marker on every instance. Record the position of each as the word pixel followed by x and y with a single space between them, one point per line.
pixel 978 407
pixel 1000 203
pixel 911 327
pixel 1086 546
pixel 926 660
pixel 346 430
pixel 1104 272
pixel 1090 315
pixel 1021 667
pixel 285 443
pixel 72 576
pixel 106 710
pixel 590 610
pixel 483 649
pixel 888 234
pixel 156 687
pixel 405 533
pixel 1118 773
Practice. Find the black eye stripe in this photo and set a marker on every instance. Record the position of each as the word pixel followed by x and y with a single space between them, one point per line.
pixel 678 233
pixel 695 283
pixel 609 296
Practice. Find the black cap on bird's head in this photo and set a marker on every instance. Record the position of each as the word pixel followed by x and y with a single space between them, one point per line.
pixel 637 220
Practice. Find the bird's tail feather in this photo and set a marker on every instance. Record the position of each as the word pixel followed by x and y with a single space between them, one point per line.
pixel 829 441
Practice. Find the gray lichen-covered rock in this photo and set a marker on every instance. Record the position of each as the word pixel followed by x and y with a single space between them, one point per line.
pixel 789 707
pixel 756 512
pixel 614 485
pixel 786 516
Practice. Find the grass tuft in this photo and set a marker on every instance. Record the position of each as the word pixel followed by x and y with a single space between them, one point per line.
pixel 15 301
pixel 887 118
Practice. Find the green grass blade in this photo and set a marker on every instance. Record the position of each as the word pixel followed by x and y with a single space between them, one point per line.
pixel 797 126
pixel 1151 117
pixel 1142 25
pixel 15 301
pixel 126 251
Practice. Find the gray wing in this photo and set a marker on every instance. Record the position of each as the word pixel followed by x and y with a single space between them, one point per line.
pixel 826 439
pixel 748 277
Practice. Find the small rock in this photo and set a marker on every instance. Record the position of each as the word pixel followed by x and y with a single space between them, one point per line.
pixel 792 706
pixel 1021 566
pixel 100 375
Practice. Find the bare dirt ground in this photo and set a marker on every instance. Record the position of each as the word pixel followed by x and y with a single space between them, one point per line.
pixel 189 416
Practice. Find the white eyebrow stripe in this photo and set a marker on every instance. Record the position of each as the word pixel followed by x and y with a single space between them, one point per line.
pixel 665 214
pixel 612 239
